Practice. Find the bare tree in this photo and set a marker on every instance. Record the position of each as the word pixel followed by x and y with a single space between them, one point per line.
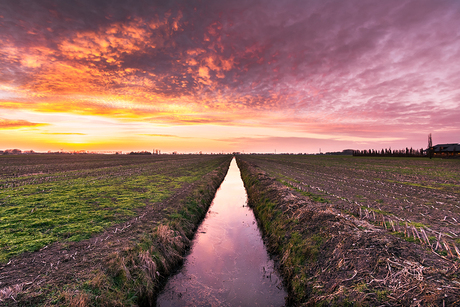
pixel 430 146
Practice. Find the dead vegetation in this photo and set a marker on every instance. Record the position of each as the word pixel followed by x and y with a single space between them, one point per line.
pixel 134 275
pixel 333 259
pixel 389 192
pixel 10 292
pixel 124 266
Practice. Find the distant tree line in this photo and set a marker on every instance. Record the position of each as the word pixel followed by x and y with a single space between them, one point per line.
pixel 140 153
pixel 345 152
pixel 408 152
pixel 15 152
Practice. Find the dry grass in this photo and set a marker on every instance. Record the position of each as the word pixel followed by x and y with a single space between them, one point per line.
pixel 10 292
pixel 134 275
pixel 329 258
pixel 79 299
pixel 117 269
pixel 169 237
pixel 148 265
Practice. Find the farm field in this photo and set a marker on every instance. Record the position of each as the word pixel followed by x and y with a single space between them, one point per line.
pixel 424 193
pixel 61 215
pixel 360 231
pixel 97 230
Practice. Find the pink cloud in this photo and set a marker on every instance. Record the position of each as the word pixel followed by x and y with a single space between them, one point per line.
pixel 354 68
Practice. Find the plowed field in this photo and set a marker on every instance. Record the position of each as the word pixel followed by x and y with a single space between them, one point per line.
pixel 359 231
pixel 415 191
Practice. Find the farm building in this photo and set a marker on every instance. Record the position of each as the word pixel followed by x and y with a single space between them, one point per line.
pixel 445 150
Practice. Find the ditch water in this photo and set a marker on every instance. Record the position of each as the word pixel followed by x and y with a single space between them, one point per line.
pixel 228 264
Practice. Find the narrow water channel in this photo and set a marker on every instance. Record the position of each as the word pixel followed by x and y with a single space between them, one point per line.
pixel 228 264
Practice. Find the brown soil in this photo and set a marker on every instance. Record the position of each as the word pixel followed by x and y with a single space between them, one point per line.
pixel 356 262
pixel 420 191
pixel 29 278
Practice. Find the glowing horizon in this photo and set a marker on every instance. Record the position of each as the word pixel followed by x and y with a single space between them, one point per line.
pixel 210 76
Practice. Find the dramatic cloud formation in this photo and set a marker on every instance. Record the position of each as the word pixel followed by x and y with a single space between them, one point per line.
pixel 230 75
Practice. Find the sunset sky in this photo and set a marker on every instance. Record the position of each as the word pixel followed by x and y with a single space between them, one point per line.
pixel 213 76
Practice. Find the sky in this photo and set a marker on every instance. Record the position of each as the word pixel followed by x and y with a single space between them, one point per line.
pixel 221 76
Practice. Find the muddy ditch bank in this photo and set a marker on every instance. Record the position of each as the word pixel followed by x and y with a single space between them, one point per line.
pixel 334 259
pixel 126 265
pixel 228 264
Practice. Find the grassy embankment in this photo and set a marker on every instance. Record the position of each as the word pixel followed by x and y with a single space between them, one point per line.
pixel 283 233
pixel 69 206
pixel 134 276
pixel 332 259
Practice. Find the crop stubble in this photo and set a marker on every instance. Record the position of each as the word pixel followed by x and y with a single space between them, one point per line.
pixel 317 213
pixel 420 192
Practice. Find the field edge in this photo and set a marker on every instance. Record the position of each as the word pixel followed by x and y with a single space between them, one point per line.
pixel 319 250
pixel 134 275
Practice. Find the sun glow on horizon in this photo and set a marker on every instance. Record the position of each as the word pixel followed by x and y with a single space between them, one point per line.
pixel 205 77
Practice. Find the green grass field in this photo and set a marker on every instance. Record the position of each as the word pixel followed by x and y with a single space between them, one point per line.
pixel 41 202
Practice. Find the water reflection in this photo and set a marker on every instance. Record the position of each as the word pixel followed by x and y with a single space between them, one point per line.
pixel 228 264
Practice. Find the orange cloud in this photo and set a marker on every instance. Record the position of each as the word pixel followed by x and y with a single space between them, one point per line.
pixel 87 70
pixel 108 44
pixel 17 124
